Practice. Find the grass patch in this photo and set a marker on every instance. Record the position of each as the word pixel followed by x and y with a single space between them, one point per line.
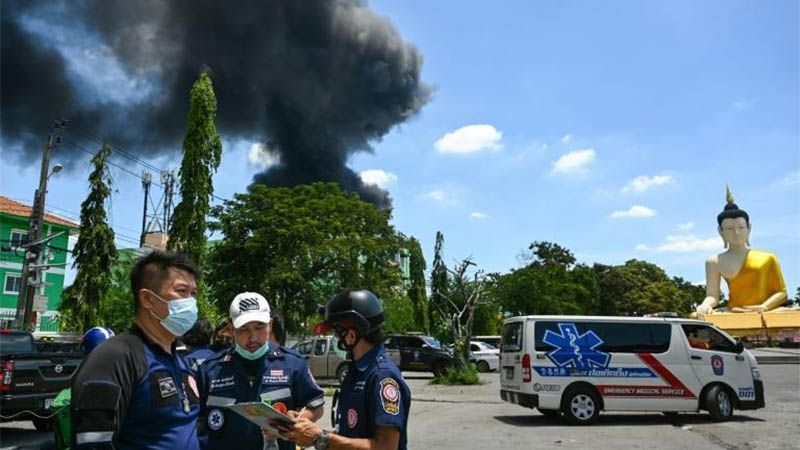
pixel 329 391
pixel 459 377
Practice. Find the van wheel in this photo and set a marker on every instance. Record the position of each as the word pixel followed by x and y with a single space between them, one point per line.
pixel 440 368
pixel 483 366
pixel 550 413
pixel 719 403
pixel 580 406
pixel 341 372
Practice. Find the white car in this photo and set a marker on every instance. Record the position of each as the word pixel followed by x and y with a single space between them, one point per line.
pixel 485 357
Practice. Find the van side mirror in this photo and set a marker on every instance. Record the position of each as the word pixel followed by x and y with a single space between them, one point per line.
pixel 739 346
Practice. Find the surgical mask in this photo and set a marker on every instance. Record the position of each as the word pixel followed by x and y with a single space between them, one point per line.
pixel 181 316
pixel 246 354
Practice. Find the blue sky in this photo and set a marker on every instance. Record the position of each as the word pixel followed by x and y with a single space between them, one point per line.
pixel 609 127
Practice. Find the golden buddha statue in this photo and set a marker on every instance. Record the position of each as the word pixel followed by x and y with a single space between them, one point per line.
pixel 754 278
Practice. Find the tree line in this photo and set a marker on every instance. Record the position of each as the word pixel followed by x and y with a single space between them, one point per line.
pixel 298 246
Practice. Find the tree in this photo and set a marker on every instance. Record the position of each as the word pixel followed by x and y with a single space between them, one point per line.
pixel 457 307
pixel 117 308
pixel 202 153
pixel 417 292
pixel 94 253
pixel 550 283
pixel 439 284
pixel 299 246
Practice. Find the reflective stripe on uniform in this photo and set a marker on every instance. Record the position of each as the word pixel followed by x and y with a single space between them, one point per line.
pixel 317 402
pixel 215 400
pixel 277 394
pixel 91 437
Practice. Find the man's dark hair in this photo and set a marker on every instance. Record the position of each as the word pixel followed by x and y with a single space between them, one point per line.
pixel 278 328
pixel 152 270
pixel 199 335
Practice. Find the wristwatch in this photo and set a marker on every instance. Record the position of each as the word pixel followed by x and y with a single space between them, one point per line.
pixel 321 441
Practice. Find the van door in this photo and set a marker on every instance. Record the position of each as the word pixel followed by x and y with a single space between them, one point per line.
pixel 511 352
pixel 715 357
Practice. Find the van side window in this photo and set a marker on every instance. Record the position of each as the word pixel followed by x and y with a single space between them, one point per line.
pixel 512 337
pixel 703 337
pixel 321 347
pixel 616 337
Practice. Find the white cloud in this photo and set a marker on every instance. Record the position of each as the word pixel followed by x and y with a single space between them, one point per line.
pixel 470 139
pixel 684 244
pixel 575 161
pixel 685 226
pixel 743 104
pixel 258 155
pixel 566 139
pixel 634 211
pixel 478 215
pixel 792 179
pixel 378 177
pixel 643 183
pixel 439 196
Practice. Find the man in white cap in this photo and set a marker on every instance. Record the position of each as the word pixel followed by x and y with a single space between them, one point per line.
pixel 253 370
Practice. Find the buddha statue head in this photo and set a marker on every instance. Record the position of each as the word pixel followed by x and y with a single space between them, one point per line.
pixel 734 223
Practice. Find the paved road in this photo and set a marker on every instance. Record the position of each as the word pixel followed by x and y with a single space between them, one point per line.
pixel 474 417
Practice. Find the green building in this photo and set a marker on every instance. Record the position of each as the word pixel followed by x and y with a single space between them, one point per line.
pixel 14 218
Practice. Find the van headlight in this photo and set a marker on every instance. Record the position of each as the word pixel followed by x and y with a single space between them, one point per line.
pixel 756 373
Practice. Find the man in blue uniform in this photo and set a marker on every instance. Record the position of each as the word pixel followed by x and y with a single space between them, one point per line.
pixel 253 370
pixel 134 391
pixel 375 400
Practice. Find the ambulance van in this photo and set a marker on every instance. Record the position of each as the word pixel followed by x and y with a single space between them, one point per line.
pixel 577 366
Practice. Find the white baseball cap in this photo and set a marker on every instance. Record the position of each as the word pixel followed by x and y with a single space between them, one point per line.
pixel 249 307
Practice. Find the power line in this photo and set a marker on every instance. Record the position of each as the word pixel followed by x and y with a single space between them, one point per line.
pixel 116 149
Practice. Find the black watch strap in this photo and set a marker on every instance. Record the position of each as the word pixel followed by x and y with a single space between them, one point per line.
pixel 321 442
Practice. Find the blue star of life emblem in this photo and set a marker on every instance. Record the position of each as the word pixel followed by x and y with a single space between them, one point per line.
pixel 215 419
pixel 574 350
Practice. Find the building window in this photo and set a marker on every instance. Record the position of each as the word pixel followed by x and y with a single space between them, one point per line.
pixel 12 284
pixel 18 237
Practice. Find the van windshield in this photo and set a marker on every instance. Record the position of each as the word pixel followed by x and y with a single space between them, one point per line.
pixel 512 337
pixel 432 342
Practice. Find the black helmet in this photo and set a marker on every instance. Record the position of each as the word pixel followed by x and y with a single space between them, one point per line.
pixel 359 309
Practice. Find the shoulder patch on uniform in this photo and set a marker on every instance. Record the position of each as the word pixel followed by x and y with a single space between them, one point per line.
pixel 216 419
pixel 390 396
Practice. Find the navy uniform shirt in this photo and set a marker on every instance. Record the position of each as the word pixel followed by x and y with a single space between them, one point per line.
pixel 282 376
pixel 373 395
pixel 131 394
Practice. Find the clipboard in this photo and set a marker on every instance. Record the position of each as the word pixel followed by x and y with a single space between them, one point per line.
pixel 261 414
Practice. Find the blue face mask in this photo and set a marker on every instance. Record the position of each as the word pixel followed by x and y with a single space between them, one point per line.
pixel 246 354
pixel 181 317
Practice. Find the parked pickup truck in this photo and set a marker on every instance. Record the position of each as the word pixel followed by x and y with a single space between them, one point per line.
pixel 30 379
pixel 326 360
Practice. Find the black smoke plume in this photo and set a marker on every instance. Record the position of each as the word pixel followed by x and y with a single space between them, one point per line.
pixel 314 81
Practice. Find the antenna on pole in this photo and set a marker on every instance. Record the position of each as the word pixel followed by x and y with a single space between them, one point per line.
pixel 157 216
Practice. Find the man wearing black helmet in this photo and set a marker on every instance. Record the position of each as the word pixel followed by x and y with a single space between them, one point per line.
pixel 372 410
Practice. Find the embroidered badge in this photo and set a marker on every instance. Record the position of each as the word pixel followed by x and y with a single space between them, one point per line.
pixel 390 396
pixel 717 365
pixel 219 383
pixel 167 387
pixel 352 418
pixel 215 419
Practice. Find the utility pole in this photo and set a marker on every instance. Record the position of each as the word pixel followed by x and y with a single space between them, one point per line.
pixel 33 264
pixel 146 180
